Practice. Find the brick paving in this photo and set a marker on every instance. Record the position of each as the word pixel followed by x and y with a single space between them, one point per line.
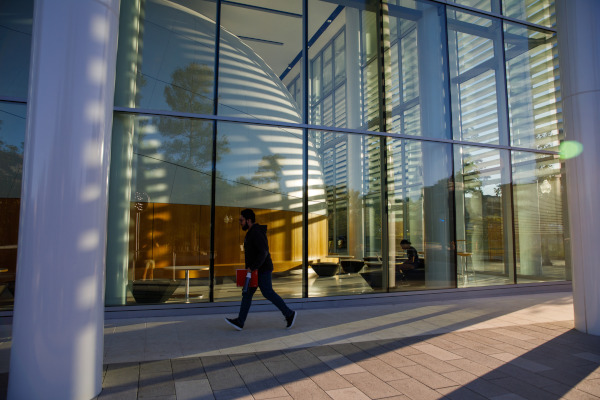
pixel 500 348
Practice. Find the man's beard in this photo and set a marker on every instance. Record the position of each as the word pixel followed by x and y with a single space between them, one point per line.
pixel 245 227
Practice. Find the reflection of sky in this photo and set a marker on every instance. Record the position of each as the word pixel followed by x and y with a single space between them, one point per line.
pixel 12 128
pixel 174 37
pixel 15 46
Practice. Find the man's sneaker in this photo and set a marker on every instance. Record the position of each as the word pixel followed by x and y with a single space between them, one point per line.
pixel 290 320
pixel 235 323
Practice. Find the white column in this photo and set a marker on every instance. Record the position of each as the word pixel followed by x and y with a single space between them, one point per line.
pixel 579 57
pixel 57 346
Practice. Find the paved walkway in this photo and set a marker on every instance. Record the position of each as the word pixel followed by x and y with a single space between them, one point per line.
pixel 501 348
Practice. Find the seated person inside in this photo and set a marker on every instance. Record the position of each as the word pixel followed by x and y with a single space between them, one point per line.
pixel 412 257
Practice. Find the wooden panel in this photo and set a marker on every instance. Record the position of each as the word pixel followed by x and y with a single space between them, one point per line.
pixel 164 229
pixel 157 230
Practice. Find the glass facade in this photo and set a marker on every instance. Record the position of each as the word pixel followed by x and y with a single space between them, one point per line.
pixel 484 232
pixel 16 20
pixel 258 167
pixel 416 68
pixel 388 146
pixel 345 257
pixel 477 78
pixel 538 184
pixel 420 204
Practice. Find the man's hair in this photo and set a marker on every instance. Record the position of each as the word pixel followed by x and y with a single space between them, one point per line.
pixel 249 214
pixel 404 241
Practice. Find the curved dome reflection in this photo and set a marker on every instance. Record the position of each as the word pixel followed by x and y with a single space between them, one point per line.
pixel 257 166
pixel 171 158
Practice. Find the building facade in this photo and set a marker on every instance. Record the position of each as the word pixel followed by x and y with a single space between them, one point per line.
pixel 133 135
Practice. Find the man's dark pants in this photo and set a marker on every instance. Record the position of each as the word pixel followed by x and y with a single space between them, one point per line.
pixel 266 287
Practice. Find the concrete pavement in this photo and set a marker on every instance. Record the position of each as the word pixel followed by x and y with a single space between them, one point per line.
pixel 502 347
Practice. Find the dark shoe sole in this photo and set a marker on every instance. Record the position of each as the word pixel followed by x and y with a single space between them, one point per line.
pixel 234 325
pixel 293 320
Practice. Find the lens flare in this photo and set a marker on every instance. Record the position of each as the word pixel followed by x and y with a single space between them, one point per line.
pixel 570 149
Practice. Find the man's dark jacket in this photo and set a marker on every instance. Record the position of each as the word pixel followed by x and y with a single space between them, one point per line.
pixel 256 249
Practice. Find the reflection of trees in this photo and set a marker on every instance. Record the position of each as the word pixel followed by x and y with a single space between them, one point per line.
pixel 471 177
pixel 11 165
pixel 190 89
pixel 191 139
pixel 269 171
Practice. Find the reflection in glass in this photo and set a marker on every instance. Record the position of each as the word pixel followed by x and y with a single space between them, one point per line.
pixel 259 61
pixel 540 12
pixel 16 20
pixel 485 5
pixel 417 80
pixel 343 66
pixel 345 258
pixel 477 78
pixel 262 170
pixel 540 233
pixel 12 138
pixel 420 205
pixel 534 91
pixel 388 66
pixel 159 207
pixel 483 217
pixel 165 57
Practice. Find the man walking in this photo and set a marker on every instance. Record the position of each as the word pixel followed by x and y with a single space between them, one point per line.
pixel 257 257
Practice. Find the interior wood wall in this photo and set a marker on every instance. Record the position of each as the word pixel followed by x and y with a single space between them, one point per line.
pixel 162 230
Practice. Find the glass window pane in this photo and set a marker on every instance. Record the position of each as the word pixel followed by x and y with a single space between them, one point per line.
pixel 484 242
pixel 328 111
pixel 165 59
pixel 160 186
pixel 339 45
pixel 539 12
pixel 534 88
pixel 259 168
pixel 327 70
pixel 259 54
pixel 485 5
pixel 348 35
pixel 12 138
pixel 345 213
pixel 538 185
pixel 340 106
pixel 417 82
pixel 477 78
pixel 316 80
pixel 16 20
pixel 298 92
pixel 420 219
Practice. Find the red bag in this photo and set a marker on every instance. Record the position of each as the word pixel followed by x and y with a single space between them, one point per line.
pixel 240 275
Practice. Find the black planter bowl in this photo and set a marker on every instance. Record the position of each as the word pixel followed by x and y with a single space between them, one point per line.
pixel 154 291
pixel 325 268
pixel 372 262
pixel 352 266
pixel 373 278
